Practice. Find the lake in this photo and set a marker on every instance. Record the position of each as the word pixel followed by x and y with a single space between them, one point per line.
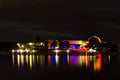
pixel 59 66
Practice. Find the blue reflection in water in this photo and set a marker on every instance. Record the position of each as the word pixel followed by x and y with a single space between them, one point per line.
pixel 65 59
pixel 53 59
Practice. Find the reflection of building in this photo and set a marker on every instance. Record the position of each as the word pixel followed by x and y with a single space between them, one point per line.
pixel 31 61
pixel 21 60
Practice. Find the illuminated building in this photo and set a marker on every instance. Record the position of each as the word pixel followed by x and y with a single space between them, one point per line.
pixel 67 44
pixel 91 45
pixel 30 47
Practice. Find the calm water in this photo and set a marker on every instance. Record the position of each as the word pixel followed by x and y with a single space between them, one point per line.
pixel 58 67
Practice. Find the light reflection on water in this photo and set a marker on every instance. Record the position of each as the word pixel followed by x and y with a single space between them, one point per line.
pixel 86 61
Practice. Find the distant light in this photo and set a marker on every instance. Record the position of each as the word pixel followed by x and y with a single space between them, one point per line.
pixel 80 42
pixel 68 51
pixel 18 44
pixel 22 46
pixel 20 50
pixel 56 47
pixel 84 44
pixel 13 51
pixel 26 50
pixel 30 44
pixel 91 50
pixel 33 51
pixel 41 43
pixel 56 51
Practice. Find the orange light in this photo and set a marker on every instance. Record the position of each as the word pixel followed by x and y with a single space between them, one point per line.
pixel 100 41
pixel 86 59
pixel 98 63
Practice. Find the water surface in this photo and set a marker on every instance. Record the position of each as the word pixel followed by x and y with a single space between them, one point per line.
pixel 55 66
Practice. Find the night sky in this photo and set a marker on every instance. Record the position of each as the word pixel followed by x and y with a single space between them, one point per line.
pixel 23 20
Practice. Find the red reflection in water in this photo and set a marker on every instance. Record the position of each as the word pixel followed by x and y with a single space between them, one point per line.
pixel 86 59
pixel 98 62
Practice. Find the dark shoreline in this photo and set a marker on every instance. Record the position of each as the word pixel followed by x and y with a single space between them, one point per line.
pixel 9 53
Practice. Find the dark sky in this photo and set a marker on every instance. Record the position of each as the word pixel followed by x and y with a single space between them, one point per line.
pixel 22 20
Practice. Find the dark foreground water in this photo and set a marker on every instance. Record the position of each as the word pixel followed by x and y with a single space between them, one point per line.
pixel 59 67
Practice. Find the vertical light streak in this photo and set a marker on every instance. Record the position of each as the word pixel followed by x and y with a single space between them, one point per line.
pixel 68 59
pixel 13 59
pixel 109 58
pixel 82 60
pixel 57 59
pixel 30 59
pixel 98 63
pixel 27 59
pixel 49 60
pixel 33 57
pixel 18 60
pixel 86 59
pixel 37 58
pixel 22 59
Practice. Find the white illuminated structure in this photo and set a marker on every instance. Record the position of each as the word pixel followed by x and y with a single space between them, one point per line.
pixel 92 50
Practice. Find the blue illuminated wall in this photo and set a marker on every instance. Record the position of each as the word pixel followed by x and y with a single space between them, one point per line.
pixel 75 46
